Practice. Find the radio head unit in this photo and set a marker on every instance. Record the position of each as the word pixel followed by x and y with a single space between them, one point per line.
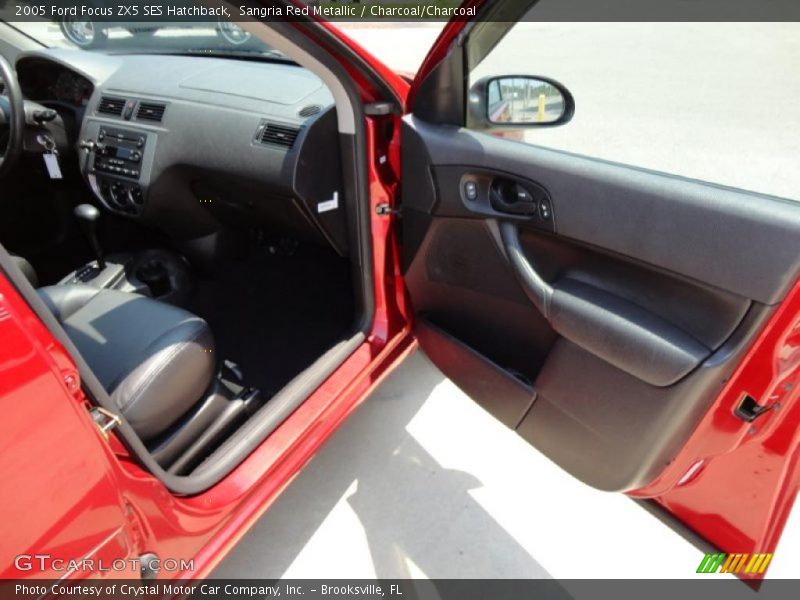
pixel 117 165
pixel 119 152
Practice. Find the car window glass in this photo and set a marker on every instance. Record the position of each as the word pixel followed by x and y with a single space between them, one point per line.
pixel 707 101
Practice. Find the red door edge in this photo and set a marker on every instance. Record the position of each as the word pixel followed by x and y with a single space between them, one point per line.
pixel 735 482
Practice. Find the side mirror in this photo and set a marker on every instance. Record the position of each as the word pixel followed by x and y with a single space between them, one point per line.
pixel 518 101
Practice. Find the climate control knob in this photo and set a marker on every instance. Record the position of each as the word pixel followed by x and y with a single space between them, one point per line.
pixel 119 194
pixel 136 195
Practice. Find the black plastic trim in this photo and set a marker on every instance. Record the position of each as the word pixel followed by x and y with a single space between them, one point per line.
pixel 441 96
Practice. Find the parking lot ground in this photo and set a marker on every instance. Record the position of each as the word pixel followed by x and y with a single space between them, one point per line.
pixel 421 482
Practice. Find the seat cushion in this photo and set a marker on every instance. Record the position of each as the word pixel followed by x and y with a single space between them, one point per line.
pixel 154 359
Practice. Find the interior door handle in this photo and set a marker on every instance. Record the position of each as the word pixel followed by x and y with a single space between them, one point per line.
pixel 509 197
pixel 537 289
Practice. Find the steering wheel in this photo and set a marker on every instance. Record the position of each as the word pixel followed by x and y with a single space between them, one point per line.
pixel 12 115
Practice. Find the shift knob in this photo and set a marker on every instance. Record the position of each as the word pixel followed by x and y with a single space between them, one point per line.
pixel 87 216
pixel 87 212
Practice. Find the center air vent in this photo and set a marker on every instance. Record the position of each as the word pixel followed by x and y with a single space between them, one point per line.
pixel 150 111
pixel 309 110
pixel 111 106
pixel 281 135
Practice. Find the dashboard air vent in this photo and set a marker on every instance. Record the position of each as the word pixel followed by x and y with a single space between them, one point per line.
pixel 309 110
pixel 111 106
pixel 150 111
pixel 282 135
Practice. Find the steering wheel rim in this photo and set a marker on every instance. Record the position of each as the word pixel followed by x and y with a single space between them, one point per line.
pixel 13 108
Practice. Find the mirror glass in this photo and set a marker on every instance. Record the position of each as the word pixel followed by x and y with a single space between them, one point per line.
pixel 523 100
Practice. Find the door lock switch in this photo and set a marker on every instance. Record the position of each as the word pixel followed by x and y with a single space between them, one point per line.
pixel 545 211
pixel 471 191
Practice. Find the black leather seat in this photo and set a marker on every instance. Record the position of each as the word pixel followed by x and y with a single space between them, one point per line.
pixel 154 359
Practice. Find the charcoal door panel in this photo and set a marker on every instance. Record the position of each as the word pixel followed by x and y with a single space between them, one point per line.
pixel 621 307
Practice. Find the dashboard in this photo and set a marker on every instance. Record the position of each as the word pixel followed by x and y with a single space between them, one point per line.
pixel 188 144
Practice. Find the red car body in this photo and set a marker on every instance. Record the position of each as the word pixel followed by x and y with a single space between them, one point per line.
pixel 84 496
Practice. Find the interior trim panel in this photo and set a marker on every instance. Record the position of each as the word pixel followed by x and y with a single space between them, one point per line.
pixel 624 334
pixel 670 222
pixel 621 299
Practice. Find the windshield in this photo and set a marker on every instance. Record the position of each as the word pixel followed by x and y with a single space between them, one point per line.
pixel 212 38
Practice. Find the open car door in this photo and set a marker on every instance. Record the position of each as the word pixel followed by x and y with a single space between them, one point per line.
pixel 640 329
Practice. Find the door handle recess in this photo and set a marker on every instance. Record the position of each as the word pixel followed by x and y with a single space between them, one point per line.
pixel 509 197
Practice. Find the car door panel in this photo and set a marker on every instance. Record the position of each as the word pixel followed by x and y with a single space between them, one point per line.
pixel 608 325
pixel 612 430
pixel 678 224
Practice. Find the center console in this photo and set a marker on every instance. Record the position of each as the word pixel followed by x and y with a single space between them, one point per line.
pixel 155 273
pixel 117 165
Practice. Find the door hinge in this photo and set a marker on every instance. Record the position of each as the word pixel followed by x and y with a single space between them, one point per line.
pixel 104 419
pixel 384 209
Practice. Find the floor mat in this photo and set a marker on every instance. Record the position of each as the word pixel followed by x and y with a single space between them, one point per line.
pixel 275 314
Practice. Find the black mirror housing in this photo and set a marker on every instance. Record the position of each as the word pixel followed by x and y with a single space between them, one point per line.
pixel 512 102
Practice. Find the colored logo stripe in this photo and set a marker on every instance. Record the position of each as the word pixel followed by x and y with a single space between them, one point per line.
pixel 734 563
pixel 711 563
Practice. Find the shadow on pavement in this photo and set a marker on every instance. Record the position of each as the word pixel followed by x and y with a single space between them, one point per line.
pixel 411 509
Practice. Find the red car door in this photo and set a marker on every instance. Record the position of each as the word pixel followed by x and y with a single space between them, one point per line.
pixel 568 321
pixel 58 479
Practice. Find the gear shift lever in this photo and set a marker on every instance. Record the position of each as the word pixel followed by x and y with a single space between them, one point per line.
pixel 87 216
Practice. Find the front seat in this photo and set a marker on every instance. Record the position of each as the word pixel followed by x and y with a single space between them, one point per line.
pixel 154 359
